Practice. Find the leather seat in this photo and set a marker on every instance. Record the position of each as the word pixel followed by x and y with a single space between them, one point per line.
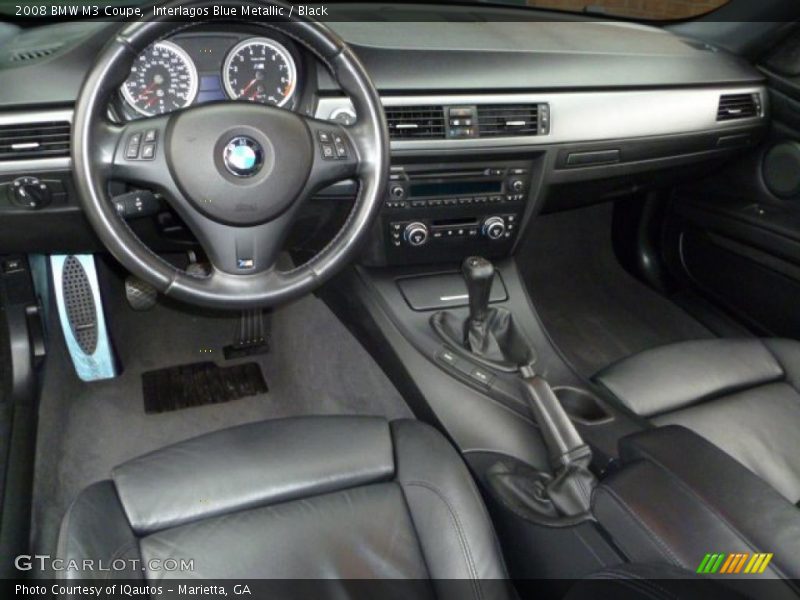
pixel 305 498
pixel 743 395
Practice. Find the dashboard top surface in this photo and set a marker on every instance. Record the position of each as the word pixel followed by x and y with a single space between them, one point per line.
pixel 473 53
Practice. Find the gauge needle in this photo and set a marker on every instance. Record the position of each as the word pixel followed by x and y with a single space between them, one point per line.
pixel 247 87
pixel 146 90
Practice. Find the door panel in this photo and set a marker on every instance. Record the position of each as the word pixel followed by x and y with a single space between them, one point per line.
pixel 736 234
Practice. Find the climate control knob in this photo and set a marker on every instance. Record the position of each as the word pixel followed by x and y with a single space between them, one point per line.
pixel 416 234
pixel 494 228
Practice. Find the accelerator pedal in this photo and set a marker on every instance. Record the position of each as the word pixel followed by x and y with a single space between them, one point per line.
pixel 80 312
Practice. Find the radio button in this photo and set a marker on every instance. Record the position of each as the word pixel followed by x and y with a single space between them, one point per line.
pixel 398 191
pixel 481 199
pixel 495 198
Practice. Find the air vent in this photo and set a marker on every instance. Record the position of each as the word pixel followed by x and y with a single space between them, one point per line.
pixel 33 54
pixel 496 120
pixel 415 122
pixel 34 140
pixel 738 106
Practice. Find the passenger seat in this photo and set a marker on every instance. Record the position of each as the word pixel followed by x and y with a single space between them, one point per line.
pixel 741 394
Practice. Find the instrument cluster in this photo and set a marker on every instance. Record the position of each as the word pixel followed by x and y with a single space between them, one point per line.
pixel 195 68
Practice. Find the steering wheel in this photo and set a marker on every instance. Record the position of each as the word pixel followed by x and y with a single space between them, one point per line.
pixel 237 173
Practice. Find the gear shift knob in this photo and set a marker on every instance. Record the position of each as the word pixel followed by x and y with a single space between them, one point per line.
pixel 479 275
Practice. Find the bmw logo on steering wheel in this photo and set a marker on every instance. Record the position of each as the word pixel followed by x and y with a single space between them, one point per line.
pixel 243 156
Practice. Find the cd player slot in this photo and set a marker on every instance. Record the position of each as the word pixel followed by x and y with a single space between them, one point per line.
pixel 448 174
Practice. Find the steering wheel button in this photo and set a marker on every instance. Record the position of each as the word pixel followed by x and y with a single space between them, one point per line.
pixel 324 137
pixel 328 151
pixel 132 151
pixel 341 150
pixel 148 151
pixel 150 135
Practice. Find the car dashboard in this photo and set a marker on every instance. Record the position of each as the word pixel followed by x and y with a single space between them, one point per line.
pixel 490 123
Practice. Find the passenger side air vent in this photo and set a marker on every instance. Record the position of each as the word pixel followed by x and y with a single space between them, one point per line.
pixel 504 120
pixel 34 140
pixel 415 122
pixel 738 106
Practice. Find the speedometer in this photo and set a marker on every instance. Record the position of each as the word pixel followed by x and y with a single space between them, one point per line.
pixel 260 70
pixel 163 78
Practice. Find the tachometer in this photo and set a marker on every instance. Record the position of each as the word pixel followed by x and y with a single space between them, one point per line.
pixel 260 70
pixel 163 78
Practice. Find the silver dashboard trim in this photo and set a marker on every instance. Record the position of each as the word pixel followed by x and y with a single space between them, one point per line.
pixel 577 117
pixel 34 165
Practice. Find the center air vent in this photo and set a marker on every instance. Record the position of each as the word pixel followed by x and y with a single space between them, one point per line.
pixel 738 106
pixel 34 140
pixel 496 120
pixel 415 122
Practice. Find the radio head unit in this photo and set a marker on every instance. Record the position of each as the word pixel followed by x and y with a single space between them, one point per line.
pixel 435 213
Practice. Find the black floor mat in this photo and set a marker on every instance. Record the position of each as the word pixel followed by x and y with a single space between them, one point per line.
pixel 198 384
pixel 594 310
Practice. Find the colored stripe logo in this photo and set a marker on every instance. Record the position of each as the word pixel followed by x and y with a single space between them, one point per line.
pixel 735 563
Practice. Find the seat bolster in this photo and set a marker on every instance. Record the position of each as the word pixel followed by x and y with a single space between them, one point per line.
pixel 456 534
pixel 744 501
pixel 787 352
pixel 95 528
pixel 678 375
pixel 252 465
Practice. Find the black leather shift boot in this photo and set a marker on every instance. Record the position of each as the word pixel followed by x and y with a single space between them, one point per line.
pixel 495 341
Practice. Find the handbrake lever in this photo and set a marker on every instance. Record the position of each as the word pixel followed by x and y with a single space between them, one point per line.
pixel 571 488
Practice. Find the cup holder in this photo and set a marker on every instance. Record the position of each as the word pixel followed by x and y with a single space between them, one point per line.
pixel 582 406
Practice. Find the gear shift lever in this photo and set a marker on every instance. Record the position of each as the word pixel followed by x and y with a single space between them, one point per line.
pixel 479 275
pixel 491 337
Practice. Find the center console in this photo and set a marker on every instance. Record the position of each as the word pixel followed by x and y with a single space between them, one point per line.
pixel 452 210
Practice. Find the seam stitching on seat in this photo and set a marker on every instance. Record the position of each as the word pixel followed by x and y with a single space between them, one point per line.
pixel 635 518
pixel 459 530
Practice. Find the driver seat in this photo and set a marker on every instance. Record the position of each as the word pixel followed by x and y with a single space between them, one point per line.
pixel 303 498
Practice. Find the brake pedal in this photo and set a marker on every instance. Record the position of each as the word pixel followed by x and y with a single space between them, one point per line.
pixel 140 295
pixel 80 312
